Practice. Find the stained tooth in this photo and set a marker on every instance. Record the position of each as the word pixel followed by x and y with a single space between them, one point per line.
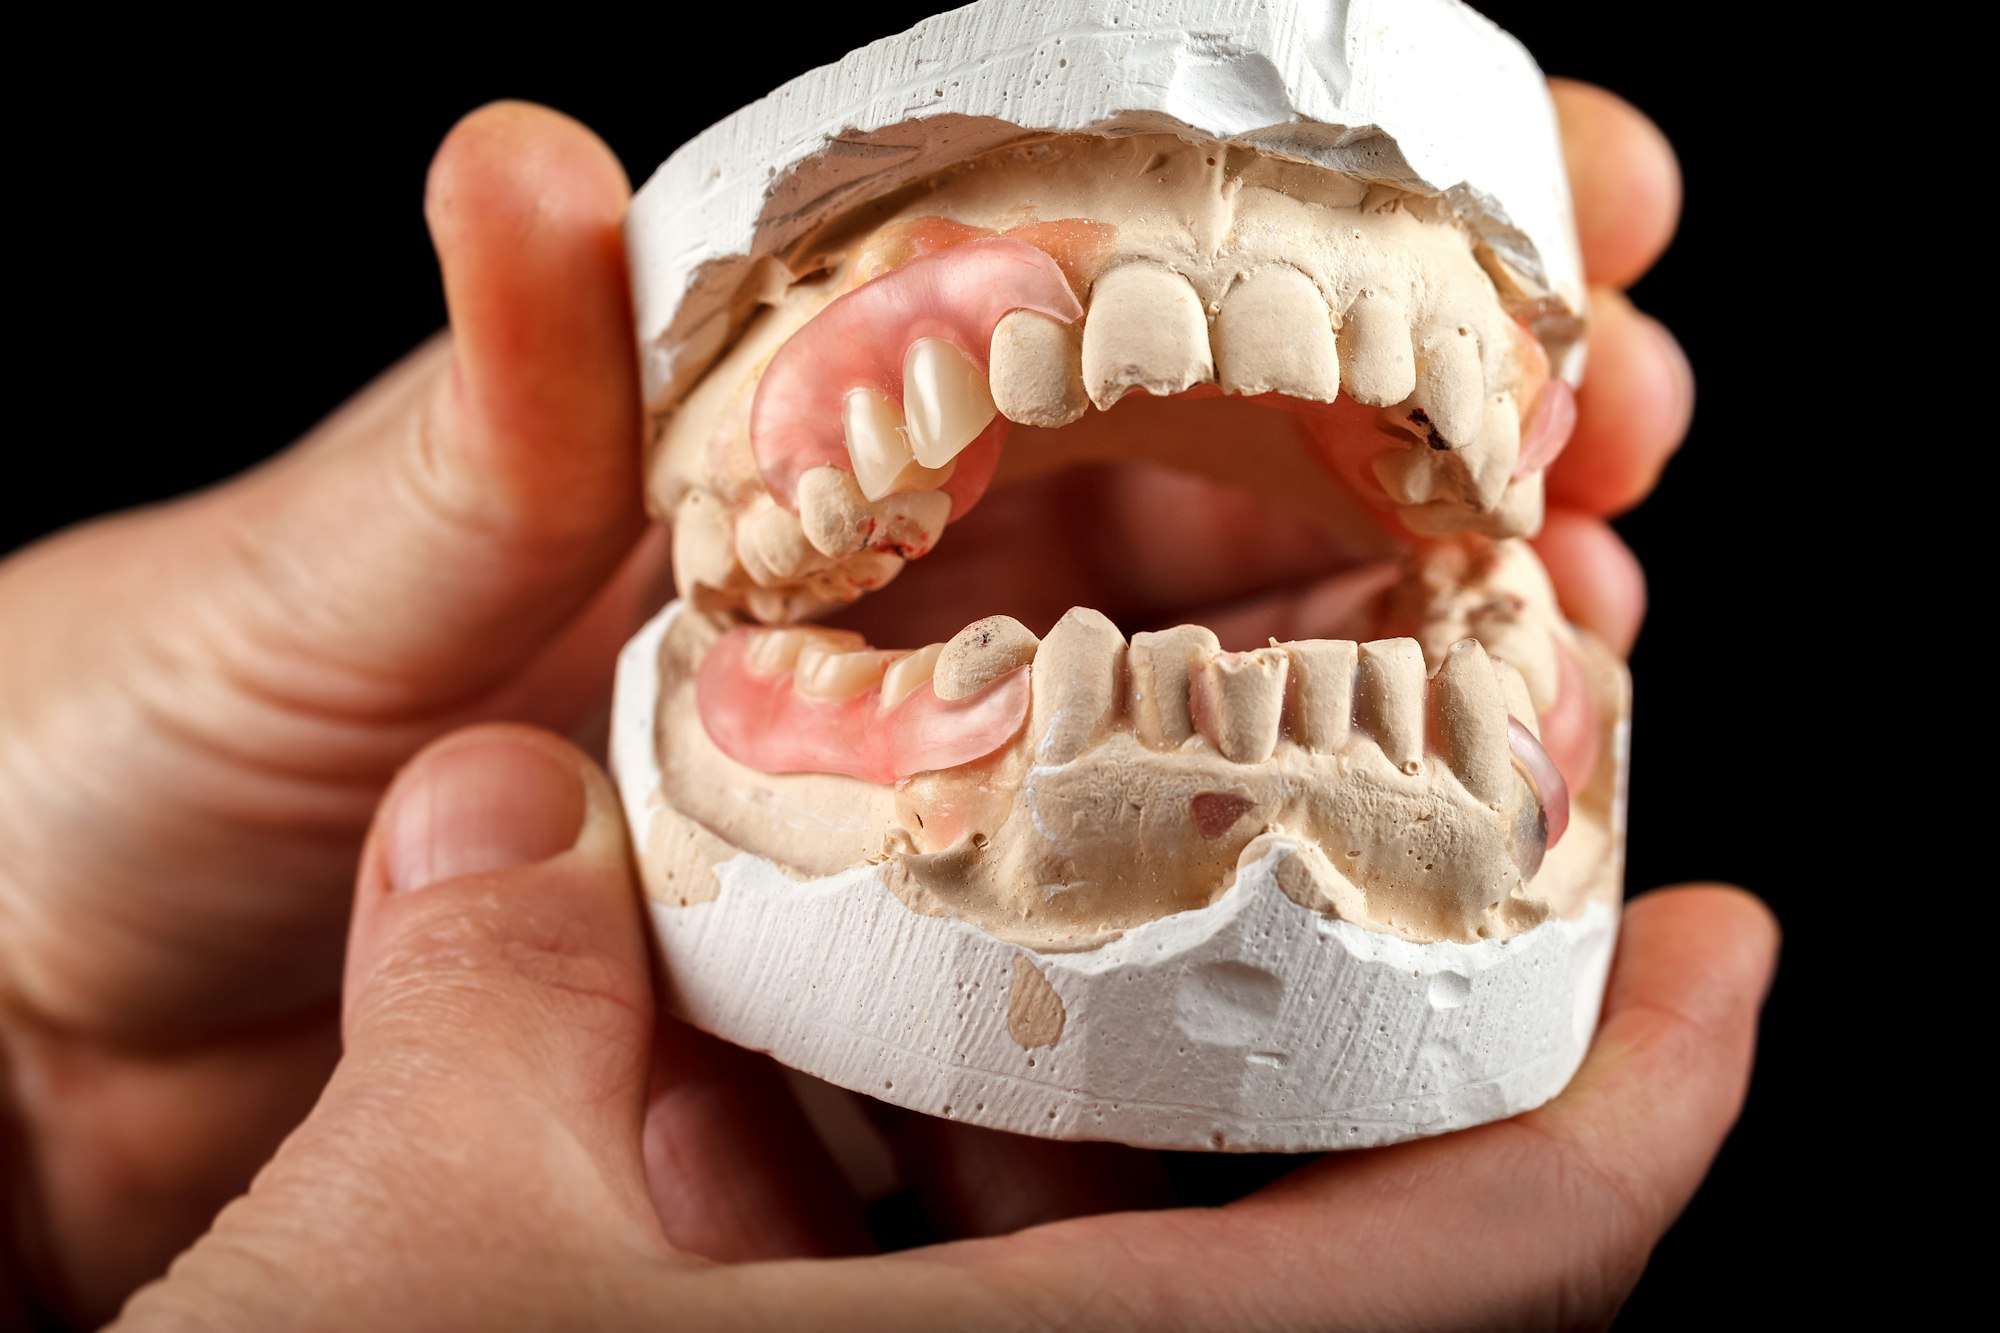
pixel 980 654
pixel 831 671
pixel 1469 718
pixel 1035 370
pixel 945 401
pixel 880 452
pixel 1238 700
pixel 704 549
pixel 1275 335
pixel 772 545
pixel 860 573
pixel 1377 365
pixel 909 523
pixel 1389 699
pixel 1145 330
pixel 833 512
pixel 1074 689
pixel 1159 667
pixel 1321 689
pixel 1450 389
pixel 907 672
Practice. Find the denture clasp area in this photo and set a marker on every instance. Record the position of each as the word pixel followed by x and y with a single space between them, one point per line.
pixel 813 701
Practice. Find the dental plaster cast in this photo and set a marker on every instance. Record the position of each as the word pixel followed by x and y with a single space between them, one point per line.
pixel 1331 892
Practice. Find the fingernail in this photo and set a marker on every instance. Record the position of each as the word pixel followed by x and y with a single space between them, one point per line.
pixel 490 802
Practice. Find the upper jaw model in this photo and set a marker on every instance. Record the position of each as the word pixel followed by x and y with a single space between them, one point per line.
pixel 1144 885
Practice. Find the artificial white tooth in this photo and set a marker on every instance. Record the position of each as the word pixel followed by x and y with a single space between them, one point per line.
pixel 1073 691
pixel 908 672
pixel 833 513
pixel 1320 693
pixel 1145 330
pixel 1274 334
pixel 1035 370
pixel 1450 388
pixel 1469 718
pixel 772 544
pixel 1389 699
pixel 1238 702
pixel 704 548
pixel 980 654
pixel 773 652
pixel 910 522
pixel 1159 661
pixel 826 671
pixel 878 447
pixel 1377 365
pixel 946 403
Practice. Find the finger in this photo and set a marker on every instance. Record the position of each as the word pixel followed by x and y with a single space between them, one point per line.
pixel 1624 180
pixel 1631 414
pixel 1598 580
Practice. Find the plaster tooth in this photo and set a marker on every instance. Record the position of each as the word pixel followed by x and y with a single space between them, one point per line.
pixel 1035 370
pixel 1274 334
pixel 1519 513
pixel 1074 688
pixel 1159 663
pixel 910 523
pixel 772 546
pixel 1409 474
pixel 980 654
pixel 878 445
pixel 1519 700
pixel 1377 365
pixel 704 548
pixel 833 513
pixel 1238 701
pixel 1469 719
pixel 1450 388
pixel 1320 693
pixel 1489 462
pixel 907 672
pixel 1389 700
pixel 859 574
pixel 945 401
pixel 1145 329
pixel 778 606
pixel 827 671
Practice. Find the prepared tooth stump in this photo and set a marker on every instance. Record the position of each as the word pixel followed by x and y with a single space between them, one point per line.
pixel 1115 298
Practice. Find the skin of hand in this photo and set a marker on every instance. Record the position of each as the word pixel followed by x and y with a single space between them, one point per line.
pixel 203 702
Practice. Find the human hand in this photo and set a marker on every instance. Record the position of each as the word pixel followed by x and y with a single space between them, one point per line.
pixel 507 1142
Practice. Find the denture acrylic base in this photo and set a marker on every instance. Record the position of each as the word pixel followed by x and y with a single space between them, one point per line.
pixel 1252 1024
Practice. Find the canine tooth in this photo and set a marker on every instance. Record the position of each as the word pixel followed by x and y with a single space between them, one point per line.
pixel 1145 330
pixel 1238 700
pixel 772 545
pixel 1450 389
pixel 945 401
pixel 1377 364
pixel 907 672
pixel 1389 702
pixel 828 670
pixel 1074 689
pixel 1321 692
pixel 1035 370
pixel 1275 335
pixel 880 452
pixel 1469 718
pixel 980 654
pixel 833 512
pixel 910 522
pixel 1159 669
pixel 704 549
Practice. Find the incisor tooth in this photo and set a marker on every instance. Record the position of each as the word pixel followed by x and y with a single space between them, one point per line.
pixel 1035 370
pixel 1238 701
pixel 980 654
pixel 1275 335
pixel 910 522
pixel 833 512
pixel 1073 693
pixel 1159 662
pixel 876 445
pixel 772 545
pixel 829 669
pixel 945 401
pixel 704 549
pixel 1377 365
pixel 1389 700
pixel 1145 329
pixel 1450 389
pixel 907 672
pixel 775 652
pixel 1321 692
pixel 1469 719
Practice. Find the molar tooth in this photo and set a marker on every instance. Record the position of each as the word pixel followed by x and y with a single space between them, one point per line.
pixel 1469 719
pixel 980 654
pixel 833 512
pixel 1275 335
pixel 778 606
pixel 908 672
pixel 1238 700
pixel 1073 692
pixel 877 446
pixel 1389 700
pixel 1377 364
pixel 1159 667
pixel 704 549
pixel 945 401
pixel 1321 689
pixel 831 671
pixel 910 522
pixel 772 545
pixel 1145 330
pixel 1035 370
pixel 1450 389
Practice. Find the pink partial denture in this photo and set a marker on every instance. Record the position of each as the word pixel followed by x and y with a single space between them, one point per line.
pixel 858 342
pixel 1550 788
pixel 761 721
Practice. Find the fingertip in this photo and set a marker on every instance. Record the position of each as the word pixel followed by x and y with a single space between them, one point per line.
pixel 1599 583
pixel 1730 926
pixel 511 157
pixel 1633 411
pixel 1625 181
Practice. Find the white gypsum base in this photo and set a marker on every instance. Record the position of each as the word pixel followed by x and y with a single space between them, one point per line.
pixel 1252 1024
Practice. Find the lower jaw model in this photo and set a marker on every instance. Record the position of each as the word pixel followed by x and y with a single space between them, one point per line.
pixel 1130 883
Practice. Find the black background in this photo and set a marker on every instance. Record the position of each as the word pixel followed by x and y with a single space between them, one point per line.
pixel 218 249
